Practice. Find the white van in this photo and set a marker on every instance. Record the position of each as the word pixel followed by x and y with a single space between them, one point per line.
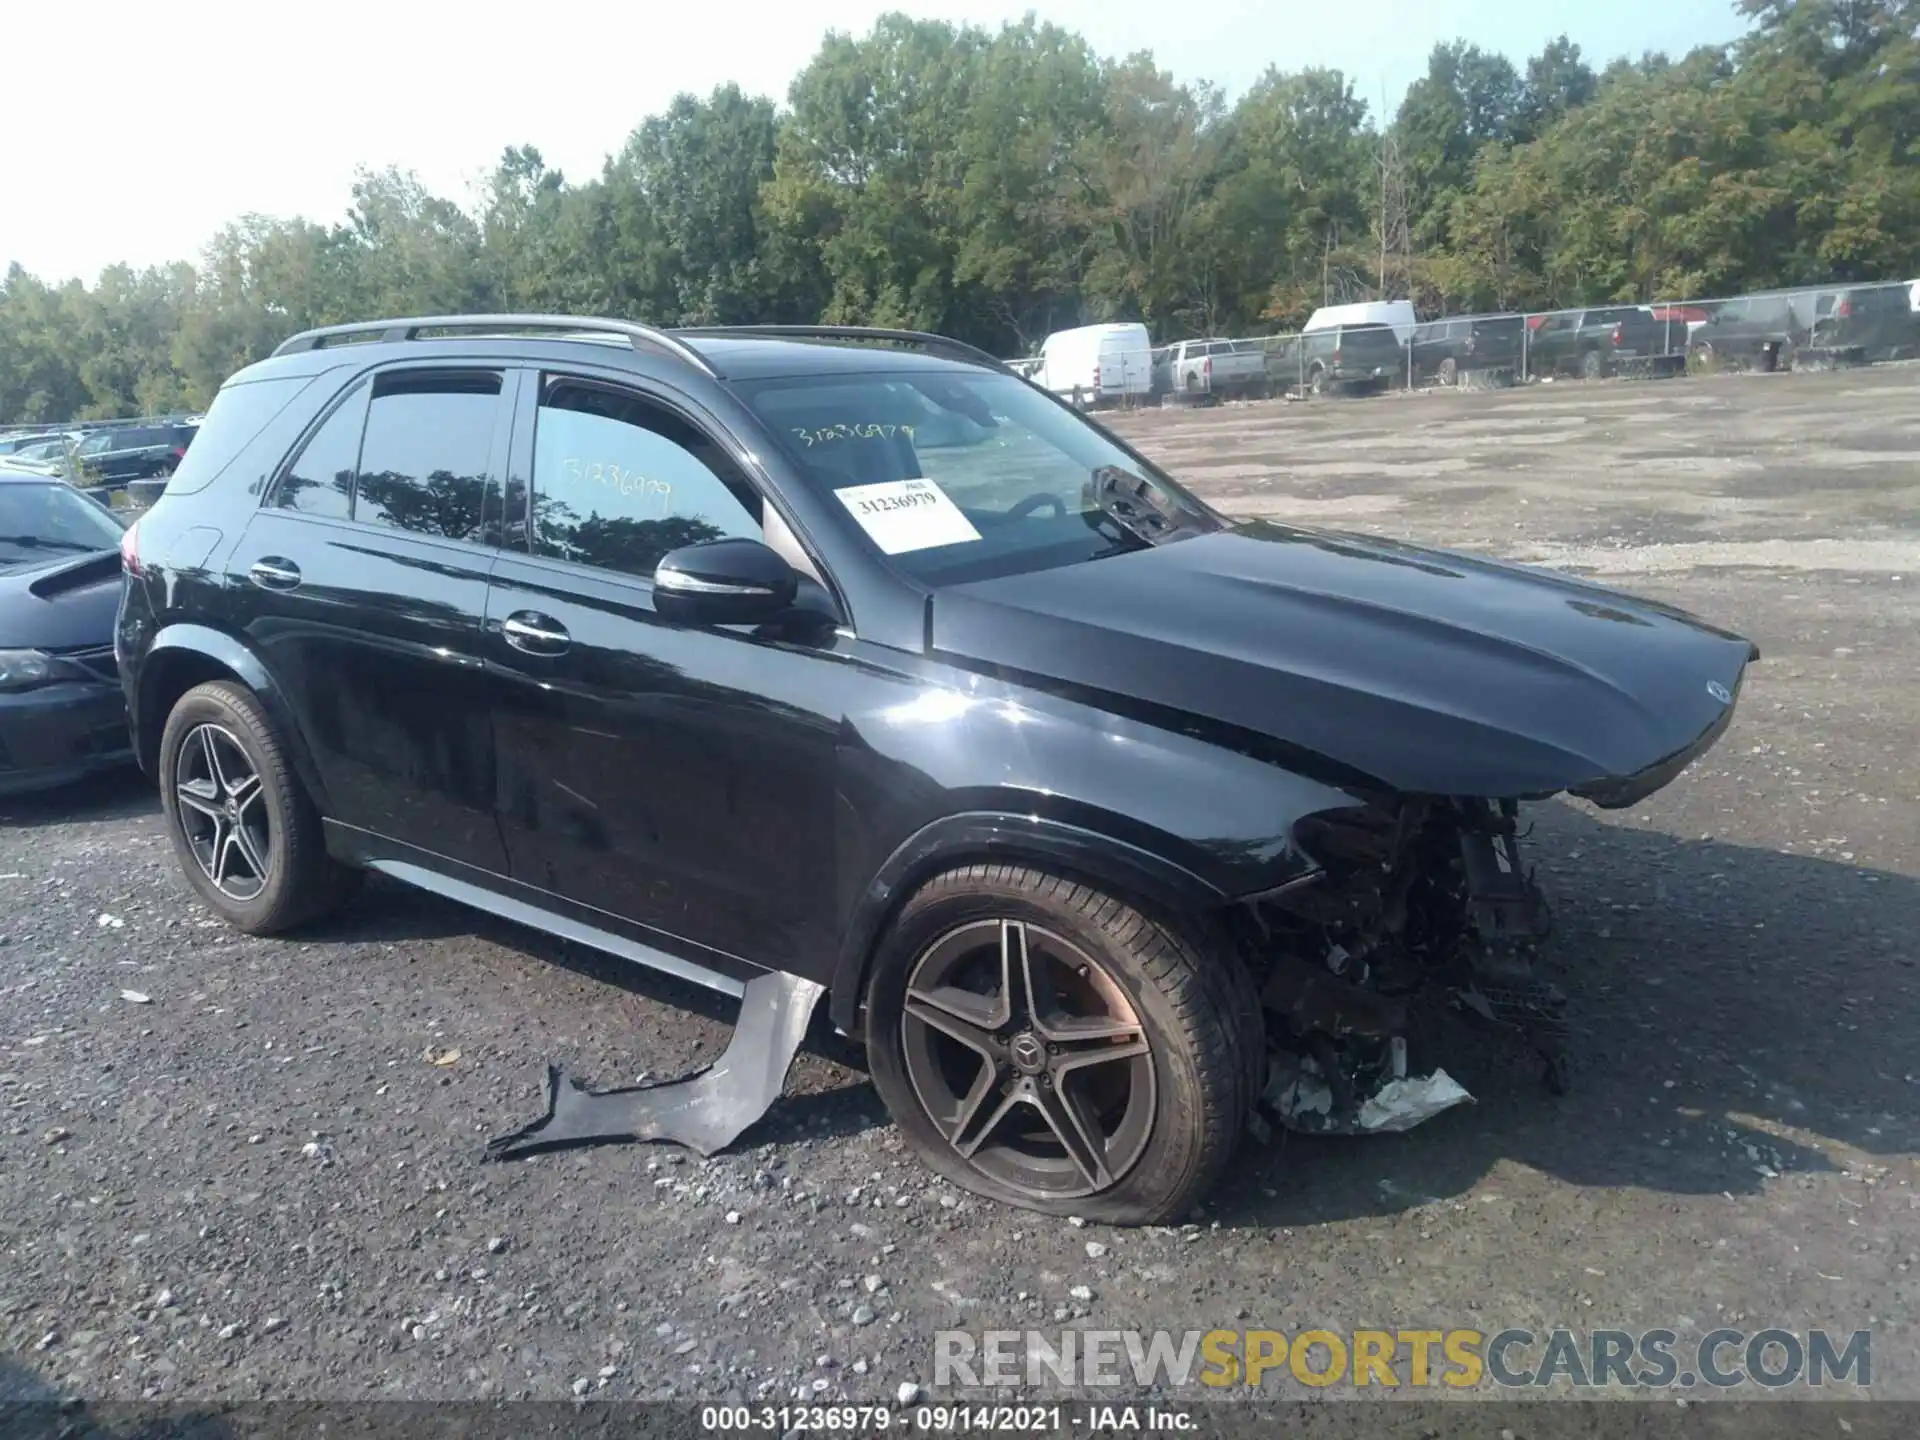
pixel 1397 313
pixel 1097 364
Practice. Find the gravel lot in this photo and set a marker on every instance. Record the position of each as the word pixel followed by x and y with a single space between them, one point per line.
pixel 256 1182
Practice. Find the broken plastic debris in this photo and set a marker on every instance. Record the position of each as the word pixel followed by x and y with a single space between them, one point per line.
pixel 1299 1095
pixel 109 922
pixel 706 1111
pixel 136 997
pixel 1403 1104
pixel 436 1056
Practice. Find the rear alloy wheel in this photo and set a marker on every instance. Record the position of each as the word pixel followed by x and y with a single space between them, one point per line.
pixel 223 812
pixel 1317 382
pixel 1449 373
pixel 247 834
pixel 1592 367
pixel 1043 1043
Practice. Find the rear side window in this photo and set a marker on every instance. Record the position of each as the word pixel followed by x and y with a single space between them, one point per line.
pixel 320 480
pixel 618 482
pixel 426 451
pixel 234 421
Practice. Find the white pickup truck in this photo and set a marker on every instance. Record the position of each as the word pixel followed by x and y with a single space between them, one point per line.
pixel 1195 368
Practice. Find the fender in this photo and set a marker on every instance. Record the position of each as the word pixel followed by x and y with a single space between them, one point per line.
pixel 979 835
pixel 196 645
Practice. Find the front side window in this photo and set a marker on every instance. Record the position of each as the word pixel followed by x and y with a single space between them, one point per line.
pixel 955 475
pixel 619 481
pixel 426 451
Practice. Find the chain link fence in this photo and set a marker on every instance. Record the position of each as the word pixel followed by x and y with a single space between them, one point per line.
pixel 1811 328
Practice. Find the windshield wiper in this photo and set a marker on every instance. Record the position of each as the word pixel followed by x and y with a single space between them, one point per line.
pixel 41 542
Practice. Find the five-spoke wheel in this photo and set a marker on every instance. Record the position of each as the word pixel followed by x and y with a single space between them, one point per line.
pixel 1029 1058
pixel 222 811
pixel 1044 1042
pixel 247 832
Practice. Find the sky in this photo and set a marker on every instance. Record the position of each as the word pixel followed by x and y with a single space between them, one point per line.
pixel 170 118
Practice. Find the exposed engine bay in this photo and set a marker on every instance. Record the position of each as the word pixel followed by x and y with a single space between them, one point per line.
pixel 1415 901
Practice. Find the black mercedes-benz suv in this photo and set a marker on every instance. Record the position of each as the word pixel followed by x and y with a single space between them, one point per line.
pixel 850 655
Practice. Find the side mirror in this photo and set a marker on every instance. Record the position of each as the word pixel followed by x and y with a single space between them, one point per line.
pixel 735 581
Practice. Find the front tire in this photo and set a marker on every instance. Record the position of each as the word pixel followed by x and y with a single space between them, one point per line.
pixel 246 832
pixel 1044 1043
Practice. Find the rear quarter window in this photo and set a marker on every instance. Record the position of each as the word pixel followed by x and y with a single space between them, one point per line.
pixel 238 415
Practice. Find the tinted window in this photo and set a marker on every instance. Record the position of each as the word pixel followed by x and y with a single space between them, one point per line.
pixel 423 461
pixel 235 419
pixel 95 444
pixel 320 481
pixel 618 482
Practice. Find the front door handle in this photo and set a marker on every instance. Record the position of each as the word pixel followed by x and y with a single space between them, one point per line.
pixel 535 633
pixel 274 573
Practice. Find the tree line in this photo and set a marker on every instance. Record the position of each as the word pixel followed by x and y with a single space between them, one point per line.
pixel 996 185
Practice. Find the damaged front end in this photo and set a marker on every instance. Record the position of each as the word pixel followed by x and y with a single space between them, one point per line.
pixel 1414 900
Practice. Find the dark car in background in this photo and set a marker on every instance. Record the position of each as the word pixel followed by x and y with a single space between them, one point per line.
pixel 1444 350
pixel 849 658
pixel 1606 341
pixel 1338 360
pixel 62 713
pixel 122 453
pixel 1807 329
pixel 14 444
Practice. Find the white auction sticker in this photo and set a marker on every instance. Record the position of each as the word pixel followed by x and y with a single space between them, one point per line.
pixel 903 515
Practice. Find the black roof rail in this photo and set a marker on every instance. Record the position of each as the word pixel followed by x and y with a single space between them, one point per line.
pixel 919 339
pixel 642 337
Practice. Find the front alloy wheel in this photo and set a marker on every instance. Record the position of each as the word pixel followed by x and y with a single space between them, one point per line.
pixel 1045 1043
pixel 223 812
pixel 1029 1059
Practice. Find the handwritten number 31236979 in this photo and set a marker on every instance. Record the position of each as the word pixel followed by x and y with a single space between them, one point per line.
pixel 627 482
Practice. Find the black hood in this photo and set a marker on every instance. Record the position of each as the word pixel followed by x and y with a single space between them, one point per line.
pixel 66 602
pixel 1428 672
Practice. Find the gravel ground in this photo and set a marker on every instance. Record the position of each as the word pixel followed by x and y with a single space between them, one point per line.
pixel 234 1168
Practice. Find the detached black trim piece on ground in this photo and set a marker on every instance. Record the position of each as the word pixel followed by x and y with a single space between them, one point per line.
pixel 706 1111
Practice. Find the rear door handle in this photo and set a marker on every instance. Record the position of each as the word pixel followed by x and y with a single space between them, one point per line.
pixel 535 633
pixel 274 573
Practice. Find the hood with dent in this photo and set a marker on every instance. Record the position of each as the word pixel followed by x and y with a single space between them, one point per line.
pixel 1429 672
pixel 66 602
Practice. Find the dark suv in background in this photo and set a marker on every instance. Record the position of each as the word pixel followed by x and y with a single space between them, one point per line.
pixel 122 453
pixel 1444 350
pixel 850 656
pixel 1805 329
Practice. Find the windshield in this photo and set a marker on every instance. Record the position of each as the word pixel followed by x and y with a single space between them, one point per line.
pixel 40 520
pixel 959 475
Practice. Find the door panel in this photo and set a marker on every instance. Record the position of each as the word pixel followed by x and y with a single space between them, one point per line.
pixel 677 778
pixel 377 649
pixel 362 582
pixel 674 777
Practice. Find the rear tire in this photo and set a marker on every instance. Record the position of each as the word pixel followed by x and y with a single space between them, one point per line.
pixel 1592 366
pixel 245 830
pixel 1153 1026
pixel 1449 372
